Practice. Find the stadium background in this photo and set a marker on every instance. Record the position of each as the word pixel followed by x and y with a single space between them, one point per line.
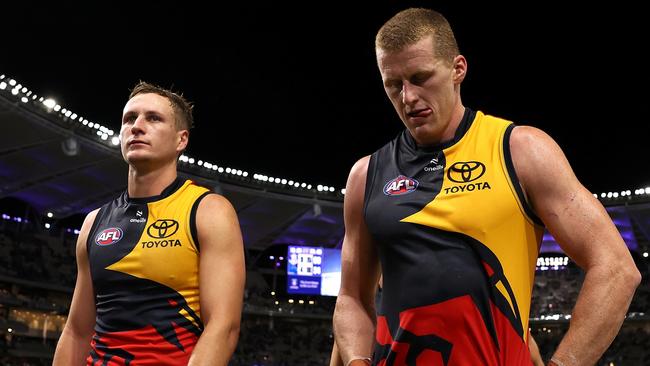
pixel 249 70
pixel 55 166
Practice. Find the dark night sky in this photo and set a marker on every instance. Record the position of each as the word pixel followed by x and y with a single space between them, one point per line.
pixel 274 85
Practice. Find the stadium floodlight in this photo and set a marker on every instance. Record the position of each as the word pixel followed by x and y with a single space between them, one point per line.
pixel 70 146
pixel 115 140
pixel 3 85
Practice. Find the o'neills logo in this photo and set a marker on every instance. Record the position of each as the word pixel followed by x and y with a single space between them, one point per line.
pixel 400 185
pixel 109 236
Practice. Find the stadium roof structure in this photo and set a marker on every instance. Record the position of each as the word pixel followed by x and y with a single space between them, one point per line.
pixel 61 163
pixel 63 167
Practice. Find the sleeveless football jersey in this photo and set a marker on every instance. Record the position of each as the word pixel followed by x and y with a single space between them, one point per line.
pixel 457 243
pixel 144 262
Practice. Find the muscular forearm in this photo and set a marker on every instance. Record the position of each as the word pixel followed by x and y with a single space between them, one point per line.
pixel 353 328
pixel 72 349
pixel 216 345
pixel 598 314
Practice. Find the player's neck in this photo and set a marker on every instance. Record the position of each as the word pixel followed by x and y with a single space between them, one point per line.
pixel 454 121
pixel 148 183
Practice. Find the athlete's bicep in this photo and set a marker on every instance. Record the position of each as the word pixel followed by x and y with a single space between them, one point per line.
pixel 359 261
pixel 571 213
pixel 221 269
pixel 81 318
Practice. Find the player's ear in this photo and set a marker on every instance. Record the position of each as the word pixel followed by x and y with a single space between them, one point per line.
pixel 460 69
pixel 183 138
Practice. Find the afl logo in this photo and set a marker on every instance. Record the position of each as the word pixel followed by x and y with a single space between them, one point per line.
pixel 400 185
pixel 465 171
pixel 163 228
pixel 109 236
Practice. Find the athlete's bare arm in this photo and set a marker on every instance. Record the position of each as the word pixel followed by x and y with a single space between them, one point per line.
pixel 354 316
pixel 335 358
pixel 74 344
pixel 222 275
pixel 584 230
pixel 535 356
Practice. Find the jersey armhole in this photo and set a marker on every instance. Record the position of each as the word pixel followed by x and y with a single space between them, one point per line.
pixel 193 229
pixel 514 181
pixel 93 227
pixel 370 179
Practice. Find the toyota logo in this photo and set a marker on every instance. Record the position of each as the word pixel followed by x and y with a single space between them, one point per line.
pixel 465 171
pixel 163 228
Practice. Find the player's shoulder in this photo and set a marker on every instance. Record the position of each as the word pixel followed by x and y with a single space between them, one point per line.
pixel 360 167
pixel 526 134
pixel 214 203
pixel 532 144
pixel 89 220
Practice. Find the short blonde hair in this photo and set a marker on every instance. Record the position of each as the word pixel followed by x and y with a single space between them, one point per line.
pixel 411 25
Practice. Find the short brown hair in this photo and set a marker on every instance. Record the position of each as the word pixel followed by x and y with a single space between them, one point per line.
pixel 411 25
pixel 182 108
